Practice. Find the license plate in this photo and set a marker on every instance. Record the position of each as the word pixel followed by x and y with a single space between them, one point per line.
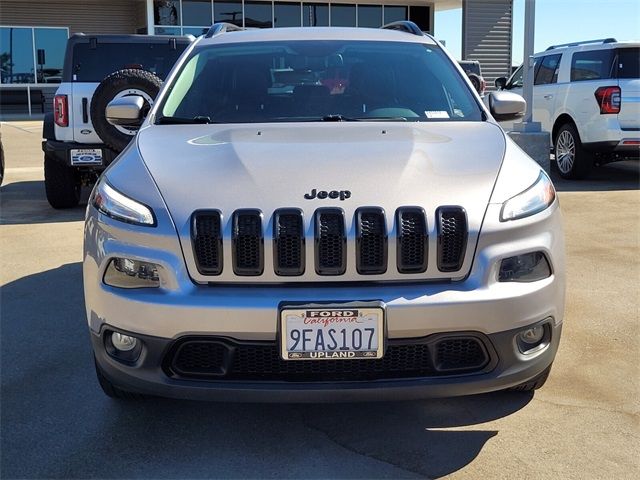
pixel 86 156
pixel 332 333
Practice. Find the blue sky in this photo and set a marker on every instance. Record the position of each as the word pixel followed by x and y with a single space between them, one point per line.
pixel 557 21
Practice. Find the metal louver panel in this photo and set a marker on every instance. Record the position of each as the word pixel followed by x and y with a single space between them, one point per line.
pixel 288 242
pixel 330 242
pixel 486 36
pixel 247 243
pixel 206 235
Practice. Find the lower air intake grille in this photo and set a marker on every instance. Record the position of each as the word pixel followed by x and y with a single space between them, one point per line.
pixel 452 238
pixel 460 354
pixel 371 241
pixel 331 242
pixel 223 359
pixel 247 242
pixel 207 242
pixel 288 237
pixel 412 240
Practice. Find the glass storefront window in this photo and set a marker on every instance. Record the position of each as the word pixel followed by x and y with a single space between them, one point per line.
pixel 286 14
pixel 229 11
pixel 257 15
pixel 50 46
pixel 23 62
pixel 166 12
pixel 370 16
pixel 343 15
pixel 196 31
pixel 315 14
pixel 394 13
pixel 167 30
pixel 196 12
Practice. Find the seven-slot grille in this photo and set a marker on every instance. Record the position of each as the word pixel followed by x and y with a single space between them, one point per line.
pixel 452 238
pixel 288 242
pixel 206 234
pixel 247 241
pixel 330 234
pixel 331 242
pixel 413 242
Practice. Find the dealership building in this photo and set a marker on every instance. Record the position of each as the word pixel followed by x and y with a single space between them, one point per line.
pixel 33 33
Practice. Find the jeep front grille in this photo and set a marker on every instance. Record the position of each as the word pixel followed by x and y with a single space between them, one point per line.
pixel 206 234
pixel 247 242
pixel 371 241
pixel 331 242
pixel 332 254
pixel 452 238
pixel 288 242
pixel 413 242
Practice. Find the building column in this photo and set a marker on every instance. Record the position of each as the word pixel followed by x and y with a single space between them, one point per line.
pixel 487 30
pixel 150 18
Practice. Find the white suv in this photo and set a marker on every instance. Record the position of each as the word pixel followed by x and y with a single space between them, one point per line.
pixel 587 95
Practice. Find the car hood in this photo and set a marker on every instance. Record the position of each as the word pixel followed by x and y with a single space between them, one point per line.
pixel 271 166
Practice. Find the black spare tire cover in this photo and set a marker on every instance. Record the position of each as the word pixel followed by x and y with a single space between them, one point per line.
pixel 121 84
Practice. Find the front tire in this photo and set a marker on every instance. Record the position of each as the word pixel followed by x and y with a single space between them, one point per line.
pixel 573 161
pixel 61 183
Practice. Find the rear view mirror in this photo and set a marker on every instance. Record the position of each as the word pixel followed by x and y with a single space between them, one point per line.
pixel 125 111
pixel 506 105
pixel 501 83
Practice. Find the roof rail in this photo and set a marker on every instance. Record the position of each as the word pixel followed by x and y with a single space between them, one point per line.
pixel 404 26
pixel 585 42
pixel 222 27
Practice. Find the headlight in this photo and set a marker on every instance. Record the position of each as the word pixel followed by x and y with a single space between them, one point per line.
pixel 129 273
pixel 533 200
pixel 120 207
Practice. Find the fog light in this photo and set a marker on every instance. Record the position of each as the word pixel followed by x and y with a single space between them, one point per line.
pixel 528 267
pixel 533 339
pixel 129 273
pixel 122 342
pixel 532 336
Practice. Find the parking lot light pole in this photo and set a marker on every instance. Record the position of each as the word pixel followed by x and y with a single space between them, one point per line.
pixel 527 124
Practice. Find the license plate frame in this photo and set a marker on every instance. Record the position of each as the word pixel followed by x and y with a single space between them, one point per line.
pixel 85 156
pixel 363 316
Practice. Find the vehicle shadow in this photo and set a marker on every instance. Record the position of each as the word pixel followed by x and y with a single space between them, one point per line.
pixel 24 203
pixel 52 402
pixel 614 176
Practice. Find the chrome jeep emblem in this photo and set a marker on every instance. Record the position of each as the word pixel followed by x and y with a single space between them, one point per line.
pixel 333 194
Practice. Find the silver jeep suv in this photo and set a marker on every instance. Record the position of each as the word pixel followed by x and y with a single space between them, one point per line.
pixel 321 214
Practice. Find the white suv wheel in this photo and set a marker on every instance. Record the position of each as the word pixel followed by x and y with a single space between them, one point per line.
pixel 565 151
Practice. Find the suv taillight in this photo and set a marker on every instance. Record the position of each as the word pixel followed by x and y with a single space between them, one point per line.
pixel 608 99
pixel 61 111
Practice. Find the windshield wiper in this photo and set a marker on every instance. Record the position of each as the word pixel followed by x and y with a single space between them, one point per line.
pixel 182 120
pixel 342 118
pixel 339 118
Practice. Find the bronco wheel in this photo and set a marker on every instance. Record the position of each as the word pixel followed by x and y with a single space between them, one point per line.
pixel 120 84
pixel 572 159
pixel 61 183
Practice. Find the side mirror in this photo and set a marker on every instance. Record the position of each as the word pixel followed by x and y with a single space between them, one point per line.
pixel 506 105
pixel 501 83
pixel 125 111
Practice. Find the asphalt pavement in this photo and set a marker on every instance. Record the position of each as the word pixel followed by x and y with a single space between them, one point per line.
pixel 55 421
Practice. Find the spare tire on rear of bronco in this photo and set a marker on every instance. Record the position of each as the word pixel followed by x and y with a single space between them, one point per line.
pixel 116 85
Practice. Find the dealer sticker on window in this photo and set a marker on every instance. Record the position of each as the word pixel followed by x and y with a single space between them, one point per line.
pixel 332 333
pixel 86 156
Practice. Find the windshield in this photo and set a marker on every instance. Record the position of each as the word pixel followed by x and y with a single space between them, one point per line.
pixel 318 80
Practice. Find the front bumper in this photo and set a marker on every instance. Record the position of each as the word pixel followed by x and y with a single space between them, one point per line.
pixel 507 368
